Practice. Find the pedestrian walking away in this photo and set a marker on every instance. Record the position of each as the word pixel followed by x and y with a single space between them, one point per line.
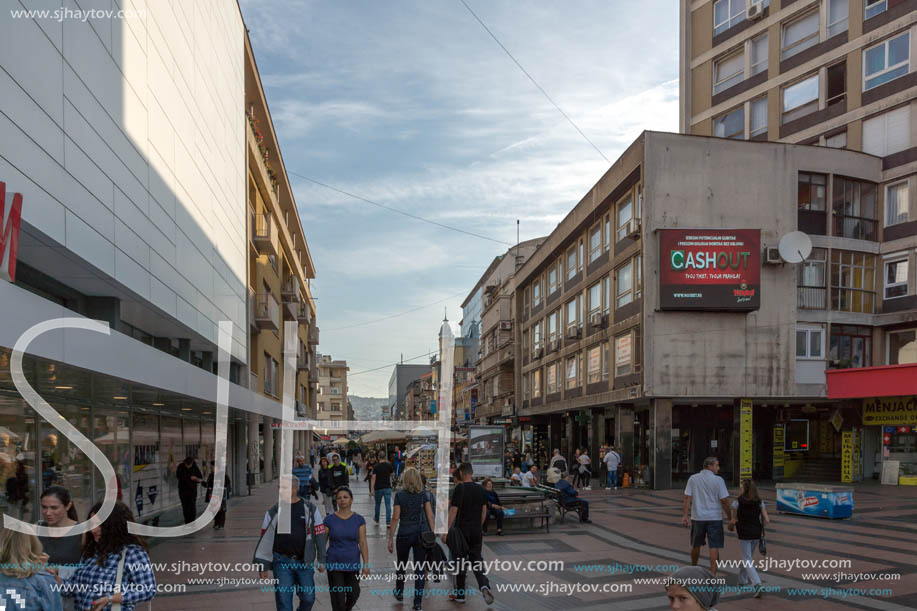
pixel 570 498
pixel 189 476
pixel 612 460
pixel 115 568
pixel 585 469
pixel 412 516
pixel 749 517
pixel 219 521
pixel 494 508
pixel 346 547
pixel 708 501
pixel 380 488
pixel 292 556
pixel 20 572
pixel 558 462
pixel 467 514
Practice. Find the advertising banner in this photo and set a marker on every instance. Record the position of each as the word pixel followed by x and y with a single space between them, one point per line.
pixel 746 438
pixel 778 451
pixel 847 457
pixel 889 410
pixel 485 450
pixel 710 269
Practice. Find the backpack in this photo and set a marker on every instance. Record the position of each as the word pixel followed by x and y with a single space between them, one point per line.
pixel 561 465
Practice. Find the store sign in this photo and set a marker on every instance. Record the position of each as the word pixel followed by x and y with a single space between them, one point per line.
pixel 778 451
pixel 889 410
pixel 10 219
pixel 746 438
pixel 710 269
pixel 847 457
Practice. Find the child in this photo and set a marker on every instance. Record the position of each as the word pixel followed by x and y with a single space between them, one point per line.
pixel 692 589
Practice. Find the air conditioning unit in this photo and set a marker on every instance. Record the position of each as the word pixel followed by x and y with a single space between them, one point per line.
pixel 554 345
pixel 755 11
pixel 633 229
pixel 573 331
pixel 506 325
pixel 595 319
pixel 772 256
pixel 536 354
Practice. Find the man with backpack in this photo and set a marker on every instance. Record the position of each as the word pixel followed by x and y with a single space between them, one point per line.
pixel 558 462
pixel 612 460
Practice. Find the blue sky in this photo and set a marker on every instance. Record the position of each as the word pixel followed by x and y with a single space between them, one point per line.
pixel 413 105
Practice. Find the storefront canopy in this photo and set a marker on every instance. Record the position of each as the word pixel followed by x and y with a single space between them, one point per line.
pixel 866 382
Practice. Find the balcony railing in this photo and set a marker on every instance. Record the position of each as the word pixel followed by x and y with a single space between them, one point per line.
pixel 291 288
pixel 811 297
pixel 265 234
pixel 855 227
pixel 302 312
pixel 252 321
pixel 267 312
pixel 302 361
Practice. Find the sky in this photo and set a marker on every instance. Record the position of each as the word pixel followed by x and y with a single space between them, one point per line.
pixel 413 105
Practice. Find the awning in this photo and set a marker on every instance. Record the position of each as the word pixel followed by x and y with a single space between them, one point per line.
pixel 866 382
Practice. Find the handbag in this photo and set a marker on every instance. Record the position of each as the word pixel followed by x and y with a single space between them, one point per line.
pixel 427 537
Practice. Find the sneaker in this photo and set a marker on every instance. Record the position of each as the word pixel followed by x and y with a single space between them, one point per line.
pixel 399 597
pixel 616 487
pixel 458 599
pixel 586 521
pixel 488 595
pixel 758 592
pixel 418 608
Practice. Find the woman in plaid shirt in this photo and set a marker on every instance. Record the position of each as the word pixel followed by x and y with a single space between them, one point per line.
pixel 93 584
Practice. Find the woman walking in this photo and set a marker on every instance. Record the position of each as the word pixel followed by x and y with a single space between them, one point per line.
pixel 115 566
pixel 20 572
pixel 494 507
pixel 749 517
pixel 324 484
pixel 411 517
pixel 63 552
pixel 585 470
pixel 346 546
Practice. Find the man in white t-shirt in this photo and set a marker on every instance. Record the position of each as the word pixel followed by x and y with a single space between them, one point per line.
pixel 707 498
pixel 529 479
pixel 612 460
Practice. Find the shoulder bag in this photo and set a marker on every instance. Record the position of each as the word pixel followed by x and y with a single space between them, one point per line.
pixel 427 536
pixel 119 577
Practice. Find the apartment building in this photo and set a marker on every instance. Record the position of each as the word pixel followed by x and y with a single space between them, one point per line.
pixel 402 376
pixel 332 389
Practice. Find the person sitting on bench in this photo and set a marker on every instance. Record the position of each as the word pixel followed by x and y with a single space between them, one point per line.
pixel 568 497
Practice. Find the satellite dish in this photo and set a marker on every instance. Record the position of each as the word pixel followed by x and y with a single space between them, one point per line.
pixel 795 247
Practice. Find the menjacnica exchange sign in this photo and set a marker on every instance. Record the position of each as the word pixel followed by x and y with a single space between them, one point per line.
pixel 710 269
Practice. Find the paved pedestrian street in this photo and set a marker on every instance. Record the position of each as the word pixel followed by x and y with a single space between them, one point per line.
pixel 631 527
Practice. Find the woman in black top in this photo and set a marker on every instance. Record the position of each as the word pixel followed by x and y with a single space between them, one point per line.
pixel 412 515
pixel 324 484
pixel 749 517
pixel 64 552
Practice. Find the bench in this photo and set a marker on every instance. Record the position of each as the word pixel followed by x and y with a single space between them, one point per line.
pixel 561 509
pixel 528 506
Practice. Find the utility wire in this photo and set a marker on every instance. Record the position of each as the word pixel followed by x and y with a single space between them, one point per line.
pixel 370 322
pixel 413 358
pixel 534 82
pixel 407 214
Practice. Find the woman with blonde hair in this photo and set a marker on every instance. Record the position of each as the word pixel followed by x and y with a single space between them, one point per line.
pixel 21 562
pixel 411 517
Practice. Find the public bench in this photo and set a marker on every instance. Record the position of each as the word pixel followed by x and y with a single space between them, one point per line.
pixel 554 495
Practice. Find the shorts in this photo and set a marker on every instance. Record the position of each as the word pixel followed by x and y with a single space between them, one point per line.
pixel 707 532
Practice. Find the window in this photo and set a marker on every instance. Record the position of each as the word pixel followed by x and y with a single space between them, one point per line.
pixel 837 16
pixel 595 299
pixel 625 214
pixel 595 243
pixel 572 312
pixel 624 284
pixel 571 263
pixel 526 387
pixel 605 359
pixel 580 257
pixel 837 141
pixel 810 280
pixel 271 375
pixel 874 7
pixel 727 13
pixel 758 60
pixel 810 343
pixel 525 344
pixel 728 71
pixel 730 125
pixel 607 233
pixel 837 84
pixel 606 294
pixel 896 204
pixel 886 61
pixel 811 192
pixel 855 211
pixel 527 302
pixel 895 278
pixel 853 281
pixel 888 133
pixel 850 346
pixel 552 279
pixel 594 365
pixel 623 354
pixel 536 335
pixel 553 381
pixel 800 99
pixel 536 293
pixel 902 347
pixel 536 384
pixel 553 325
pixel 799 35
pixel 759 116
pixel 572 372
pixel 638 276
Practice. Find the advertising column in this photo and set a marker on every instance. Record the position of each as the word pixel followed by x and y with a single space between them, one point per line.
pixel 779 441
pixel 485 450
pixel 847 457
pixel 746 439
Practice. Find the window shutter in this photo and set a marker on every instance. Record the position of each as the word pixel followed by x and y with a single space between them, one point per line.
pixel 874 136
pixel 898 130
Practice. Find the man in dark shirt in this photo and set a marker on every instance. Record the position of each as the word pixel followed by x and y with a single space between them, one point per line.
pixel 339 478
pixel 467 513
pixel 189 476
pixel 381 486
pixel 569 497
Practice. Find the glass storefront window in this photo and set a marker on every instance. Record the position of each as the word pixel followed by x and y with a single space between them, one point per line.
pixel 147 493
pixel 171 456
pixel 111 434
pixel 62 462
pixel 17 458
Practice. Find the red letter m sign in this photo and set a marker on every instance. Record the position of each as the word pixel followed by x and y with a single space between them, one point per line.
pixel 9 233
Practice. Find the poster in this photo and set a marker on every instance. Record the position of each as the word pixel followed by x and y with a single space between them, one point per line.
pixel 485 450
pixel 847 457
pixel 747 437
pixel 146 479
pixel 778 451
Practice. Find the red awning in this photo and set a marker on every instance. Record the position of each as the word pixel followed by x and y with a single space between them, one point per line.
pixel 866 382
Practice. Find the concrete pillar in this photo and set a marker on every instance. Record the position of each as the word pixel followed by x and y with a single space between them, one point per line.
pixel 253 447
pixel 661 439
pixel 268 449
pixel 624 433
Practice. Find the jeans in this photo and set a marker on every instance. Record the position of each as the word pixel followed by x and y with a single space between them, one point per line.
pixel 494 513
pixel 404 545
pixel 748 574
pixel 611 479
pixel 188 506
pixel 290 575
pixel 345 589
pixel 385 493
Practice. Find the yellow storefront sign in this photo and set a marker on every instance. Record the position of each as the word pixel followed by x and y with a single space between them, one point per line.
pixel 889 410
pixel 746 435
pixel 847 456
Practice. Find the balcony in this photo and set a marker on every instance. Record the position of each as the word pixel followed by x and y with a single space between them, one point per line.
pixel 267 312
pixel 302 361
pixel 291 288
pixel 303 314
pixel 265 234
pixel 858 228
pixel 313 335
pixel 301 411
pixel 811 297
pixel 252 322
pixel 313 373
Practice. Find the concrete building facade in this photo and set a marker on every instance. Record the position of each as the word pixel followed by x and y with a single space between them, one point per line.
pixel 332 389
pixel 402 375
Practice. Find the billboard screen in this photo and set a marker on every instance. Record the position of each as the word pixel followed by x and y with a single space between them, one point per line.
pixel 485 450
pixel 710 269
